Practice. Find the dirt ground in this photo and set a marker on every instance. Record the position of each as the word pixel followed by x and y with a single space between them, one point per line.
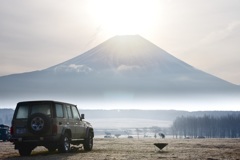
pixel 130 149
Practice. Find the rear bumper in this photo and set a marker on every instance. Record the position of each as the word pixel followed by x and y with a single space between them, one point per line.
pixel 39 140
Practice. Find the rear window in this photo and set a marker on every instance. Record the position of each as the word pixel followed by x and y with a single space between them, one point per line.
pixel 41 108
pixel 31 108
pixel 22 112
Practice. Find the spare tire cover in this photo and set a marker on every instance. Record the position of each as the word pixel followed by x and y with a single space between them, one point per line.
pixel 38 123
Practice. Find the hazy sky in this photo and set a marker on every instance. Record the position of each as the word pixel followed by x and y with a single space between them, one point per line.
pixel 35 35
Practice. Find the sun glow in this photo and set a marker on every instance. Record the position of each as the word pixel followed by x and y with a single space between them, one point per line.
pixel 124 17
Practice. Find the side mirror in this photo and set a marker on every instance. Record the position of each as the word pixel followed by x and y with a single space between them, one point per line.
pixel 82 116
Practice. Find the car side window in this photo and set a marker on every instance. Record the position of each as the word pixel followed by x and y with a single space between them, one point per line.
pixel 69 112
pixel 59 110
pixel 75 112
pixel 22 112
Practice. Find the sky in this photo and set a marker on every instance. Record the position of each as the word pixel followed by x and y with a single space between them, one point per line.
pixel 35 35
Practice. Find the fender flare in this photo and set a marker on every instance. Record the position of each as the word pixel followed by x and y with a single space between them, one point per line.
pixel 89 130
pixel 66 130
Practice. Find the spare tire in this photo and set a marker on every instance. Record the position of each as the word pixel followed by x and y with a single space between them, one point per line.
pixel 38 123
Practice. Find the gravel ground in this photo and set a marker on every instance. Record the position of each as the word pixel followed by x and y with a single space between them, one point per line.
pixel 134 149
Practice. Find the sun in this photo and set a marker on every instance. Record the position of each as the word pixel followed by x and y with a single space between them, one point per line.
pixel 124 17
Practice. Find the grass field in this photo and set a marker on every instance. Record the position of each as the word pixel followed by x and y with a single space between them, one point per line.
pixel 129 149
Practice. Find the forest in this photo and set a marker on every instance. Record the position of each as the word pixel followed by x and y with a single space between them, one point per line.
pixel 207 126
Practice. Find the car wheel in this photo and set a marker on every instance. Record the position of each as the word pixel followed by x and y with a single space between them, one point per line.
pixel 88 142
pixel 64 145
pixel 39 123
pixel 25 151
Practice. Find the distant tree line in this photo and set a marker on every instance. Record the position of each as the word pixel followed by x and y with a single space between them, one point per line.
pixel 207 126
pixel 144 132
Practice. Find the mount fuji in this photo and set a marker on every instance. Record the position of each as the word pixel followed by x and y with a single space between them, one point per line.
pixel 120 69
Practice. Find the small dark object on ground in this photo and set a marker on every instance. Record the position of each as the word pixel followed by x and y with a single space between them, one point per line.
pixel 162 135
pixel 160 145
pixel 75 148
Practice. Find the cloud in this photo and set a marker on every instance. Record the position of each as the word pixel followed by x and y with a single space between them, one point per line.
pixel 73 68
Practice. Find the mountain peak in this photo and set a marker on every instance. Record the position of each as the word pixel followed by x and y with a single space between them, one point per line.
pixel 123 68
pixel 124 52
pixel 126 38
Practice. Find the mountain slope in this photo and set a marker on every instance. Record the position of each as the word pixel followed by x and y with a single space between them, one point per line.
pixel 121 68
pixel 126 57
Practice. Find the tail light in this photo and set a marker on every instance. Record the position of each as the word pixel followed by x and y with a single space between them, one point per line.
pixel 11 130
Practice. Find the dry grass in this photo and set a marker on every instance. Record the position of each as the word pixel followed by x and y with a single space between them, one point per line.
pixel 130 149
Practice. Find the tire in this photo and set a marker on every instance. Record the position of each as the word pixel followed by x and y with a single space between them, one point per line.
pixel 64 145
pixel 25 151
pixel 88 142
pixel 38 123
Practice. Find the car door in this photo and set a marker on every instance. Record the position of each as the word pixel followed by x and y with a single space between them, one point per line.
pixel 61 119
pixel 79 124
pixel 70 121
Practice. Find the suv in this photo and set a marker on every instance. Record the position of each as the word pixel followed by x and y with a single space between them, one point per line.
pixel 4 132
pixel 52 124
